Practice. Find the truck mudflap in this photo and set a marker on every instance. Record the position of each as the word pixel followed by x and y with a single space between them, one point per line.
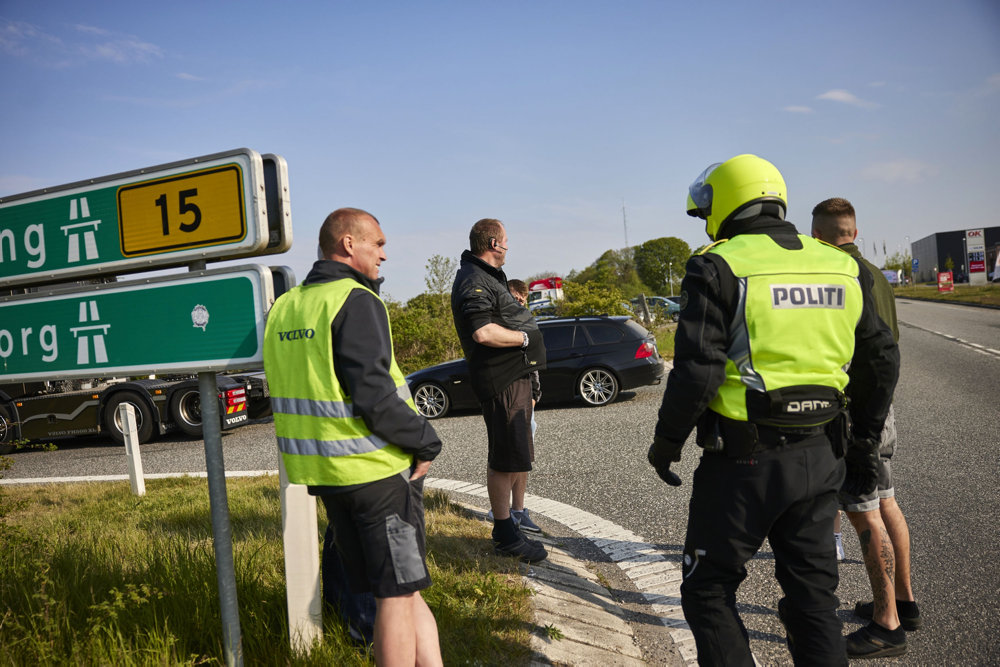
pixel 234 405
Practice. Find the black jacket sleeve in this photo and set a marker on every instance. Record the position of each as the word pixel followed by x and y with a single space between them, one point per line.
pixel 874 368
pixel 361 348
pixel 699 352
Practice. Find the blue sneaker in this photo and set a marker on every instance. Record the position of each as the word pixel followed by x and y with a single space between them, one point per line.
pixel 523 520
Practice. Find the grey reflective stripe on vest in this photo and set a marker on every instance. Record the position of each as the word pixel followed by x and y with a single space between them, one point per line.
pixel 739 344
pixel 331 409
pixel 311 408
pixel 313 447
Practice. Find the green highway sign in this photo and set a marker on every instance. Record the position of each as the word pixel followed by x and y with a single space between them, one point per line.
pixel 207 208
pixel 190 322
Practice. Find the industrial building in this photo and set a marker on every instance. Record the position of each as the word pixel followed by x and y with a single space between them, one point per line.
pixel 932 253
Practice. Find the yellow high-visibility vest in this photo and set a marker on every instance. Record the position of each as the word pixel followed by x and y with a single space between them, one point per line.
pixel 795 317
pixel 321 440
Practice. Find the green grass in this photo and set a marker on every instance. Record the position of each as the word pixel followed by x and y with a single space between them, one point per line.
pixel 981 294
pixel 95 575
pixel 665 339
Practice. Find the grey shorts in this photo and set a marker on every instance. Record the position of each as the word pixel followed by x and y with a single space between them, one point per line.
pixel 380 535
pixel 887 448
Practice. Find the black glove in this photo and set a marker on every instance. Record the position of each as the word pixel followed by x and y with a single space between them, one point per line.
pixel 862 467
pixel 661 453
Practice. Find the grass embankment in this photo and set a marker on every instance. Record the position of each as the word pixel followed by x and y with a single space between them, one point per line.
pixel 664 334
pixel 95 575
pixel 987 295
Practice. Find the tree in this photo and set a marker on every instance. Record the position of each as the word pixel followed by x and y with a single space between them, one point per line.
pixel 615 268
pixel 660 262
pixel 423 332
pixel 949 263
pixel 440 274
pixel 899 261
pixel 590 299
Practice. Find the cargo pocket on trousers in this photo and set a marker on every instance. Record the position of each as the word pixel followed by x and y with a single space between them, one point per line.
pixel 406 560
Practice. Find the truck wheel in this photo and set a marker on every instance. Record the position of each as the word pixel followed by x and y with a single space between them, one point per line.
pixel 185 408
pixel 6 431
pixel 143 417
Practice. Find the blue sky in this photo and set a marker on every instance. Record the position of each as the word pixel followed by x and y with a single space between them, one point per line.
pixel 545 114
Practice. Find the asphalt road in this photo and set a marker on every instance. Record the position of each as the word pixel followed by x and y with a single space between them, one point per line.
pixel 946 471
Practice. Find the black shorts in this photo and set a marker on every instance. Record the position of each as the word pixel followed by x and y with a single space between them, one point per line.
pixel 508 427
pixel 380 535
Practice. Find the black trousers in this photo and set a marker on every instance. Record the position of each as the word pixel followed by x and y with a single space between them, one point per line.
pixel 788 495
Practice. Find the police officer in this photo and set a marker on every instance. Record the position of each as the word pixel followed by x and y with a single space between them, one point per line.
pixel 347 427
pixel 771 321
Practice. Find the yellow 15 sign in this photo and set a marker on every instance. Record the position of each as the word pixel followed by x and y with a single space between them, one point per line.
pixel 190 210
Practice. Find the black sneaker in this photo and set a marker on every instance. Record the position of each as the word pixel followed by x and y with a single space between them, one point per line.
pixel 524 522
pixel 874 641
pixel 528 551
pixel 910 623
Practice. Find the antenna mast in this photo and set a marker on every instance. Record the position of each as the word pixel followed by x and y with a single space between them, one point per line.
pixel 625 222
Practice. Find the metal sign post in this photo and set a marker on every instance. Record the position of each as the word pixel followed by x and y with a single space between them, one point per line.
pixel 222 530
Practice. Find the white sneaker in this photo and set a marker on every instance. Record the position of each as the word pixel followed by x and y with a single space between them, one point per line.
pixel 840 546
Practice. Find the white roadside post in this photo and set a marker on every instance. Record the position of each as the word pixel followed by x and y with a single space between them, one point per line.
pixel 126 415
pixel 302 574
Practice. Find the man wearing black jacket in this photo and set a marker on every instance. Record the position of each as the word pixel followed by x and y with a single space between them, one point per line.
pixel 770 321
pixel 502 346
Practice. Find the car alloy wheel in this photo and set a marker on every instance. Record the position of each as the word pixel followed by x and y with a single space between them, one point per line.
pixel 431 401
pixel 598 387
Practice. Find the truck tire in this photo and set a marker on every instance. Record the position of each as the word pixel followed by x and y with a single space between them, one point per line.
pixel 6 431
pixel 143 417
pixel 185 409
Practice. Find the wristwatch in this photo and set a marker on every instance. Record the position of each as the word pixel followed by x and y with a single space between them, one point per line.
pixel 524 343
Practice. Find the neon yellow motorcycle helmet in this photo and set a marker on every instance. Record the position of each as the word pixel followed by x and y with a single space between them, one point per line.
pixel 736 188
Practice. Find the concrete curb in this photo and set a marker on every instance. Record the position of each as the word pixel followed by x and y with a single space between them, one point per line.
pixel 570 595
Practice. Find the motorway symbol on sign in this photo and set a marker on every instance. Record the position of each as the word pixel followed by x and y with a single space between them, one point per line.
pixel 192 322
pixel 206 208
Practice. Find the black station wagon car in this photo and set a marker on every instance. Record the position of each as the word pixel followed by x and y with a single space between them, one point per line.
pixel 588 358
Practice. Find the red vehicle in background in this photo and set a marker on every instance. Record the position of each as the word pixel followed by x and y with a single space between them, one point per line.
pixel 543 292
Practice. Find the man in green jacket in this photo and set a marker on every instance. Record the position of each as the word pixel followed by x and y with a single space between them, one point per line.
pixel 881 527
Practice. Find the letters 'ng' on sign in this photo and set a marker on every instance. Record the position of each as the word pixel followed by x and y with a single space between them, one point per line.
pixel 206 208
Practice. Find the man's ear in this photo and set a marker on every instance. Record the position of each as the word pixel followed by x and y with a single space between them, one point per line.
pixel 855 237
pixel 348 244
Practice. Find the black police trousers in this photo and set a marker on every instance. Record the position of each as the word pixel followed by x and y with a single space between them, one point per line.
pixel 787 494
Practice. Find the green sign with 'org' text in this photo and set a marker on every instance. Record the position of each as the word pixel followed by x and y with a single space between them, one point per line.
pixel 199 321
